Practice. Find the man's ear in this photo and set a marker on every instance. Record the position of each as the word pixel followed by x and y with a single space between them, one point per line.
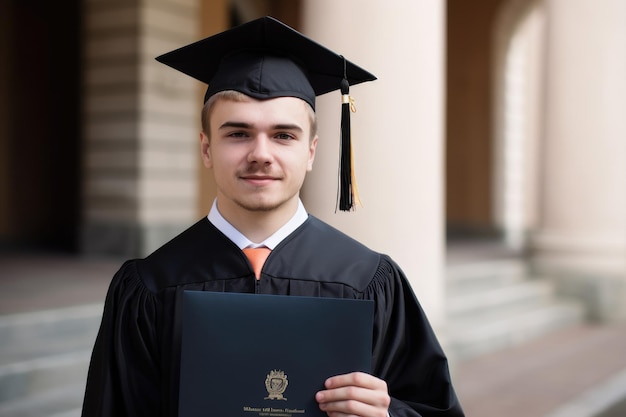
pixel 205 150
pixel 312 148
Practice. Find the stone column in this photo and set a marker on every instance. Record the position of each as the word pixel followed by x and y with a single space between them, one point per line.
pixel 397 133
pixel 581 237
pixel 141 124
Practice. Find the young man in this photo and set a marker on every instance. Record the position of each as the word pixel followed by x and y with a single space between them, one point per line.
pixel 259 139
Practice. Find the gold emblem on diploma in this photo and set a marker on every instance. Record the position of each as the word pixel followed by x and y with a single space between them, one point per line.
pixel 276 383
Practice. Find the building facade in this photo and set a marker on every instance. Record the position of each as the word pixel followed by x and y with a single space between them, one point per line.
pixel 490 119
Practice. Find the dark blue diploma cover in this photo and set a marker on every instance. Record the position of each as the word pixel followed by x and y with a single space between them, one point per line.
pixel 254 355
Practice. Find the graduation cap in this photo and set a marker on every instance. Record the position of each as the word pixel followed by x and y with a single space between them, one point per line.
pixel 264 59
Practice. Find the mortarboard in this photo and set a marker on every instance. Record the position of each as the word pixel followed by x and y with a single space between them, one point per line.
pixel 264 59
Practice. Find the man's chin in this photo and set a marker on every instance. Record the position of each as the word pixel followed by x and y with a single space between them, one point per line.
pixel 259 206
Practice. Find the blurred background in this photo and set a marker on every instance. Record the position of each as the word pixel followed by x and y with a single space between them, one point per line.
pixel 490 157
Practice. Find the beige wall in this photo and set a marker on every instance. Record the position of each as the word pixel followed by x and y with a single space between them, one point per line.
pixel 581 234
pixel 397 133
pixel 518 116
pixel 141 126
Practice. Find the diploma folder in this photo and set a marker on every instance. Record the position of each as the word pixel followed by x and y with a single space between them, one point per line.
pixel 256 355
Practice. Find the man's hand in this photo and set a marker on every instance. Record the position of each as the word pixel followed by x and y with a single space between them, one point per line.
pixel 354 394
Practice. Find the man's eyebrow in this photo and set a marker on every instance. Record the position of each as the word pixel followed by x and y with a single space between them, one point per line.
pixel 244 125
pixel 287 126
pixel 240 125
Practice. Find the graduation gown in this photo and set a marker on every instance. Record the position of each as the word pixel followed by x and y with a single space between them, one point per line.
pixel 135 363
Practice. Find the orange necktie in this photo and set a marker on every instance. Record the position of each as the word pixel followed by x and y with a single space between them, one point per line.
pixel 257 257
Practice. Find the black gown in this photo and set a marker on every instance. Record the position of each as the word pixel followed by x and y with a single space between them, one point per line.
pixel 135 363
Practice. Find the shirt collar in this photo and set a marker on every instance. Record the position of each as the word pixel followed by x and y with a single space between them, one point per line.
pixel 216 218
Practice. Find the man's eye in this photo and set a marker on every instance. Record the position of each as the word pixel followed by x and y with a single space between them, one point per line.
pixel 237 134
pixel 284 136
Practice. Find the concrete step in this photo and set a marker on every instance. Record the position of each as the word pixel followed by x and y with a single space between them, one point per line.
pixel 42 333
pixel 486 332
pixel 29 378
pixel 65 401
pixel 521 294
pixel 484 274
pixel 44 358
pixel 494 304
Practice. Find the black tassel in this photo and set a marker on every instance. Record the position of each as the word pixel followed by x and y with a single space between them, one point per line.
pixel 348 194
pixel 345 161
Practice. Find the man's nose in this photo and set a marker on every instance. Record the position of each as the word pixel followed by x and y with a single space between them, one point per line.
pixel 260 149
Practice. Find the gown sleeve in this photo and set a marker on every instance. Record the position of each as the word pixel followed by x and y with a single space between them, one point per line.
pixel 406 353
pixel 123 373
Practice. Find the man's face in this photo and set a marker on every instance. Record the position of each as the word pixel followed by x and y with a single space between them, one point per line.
pixel 260 152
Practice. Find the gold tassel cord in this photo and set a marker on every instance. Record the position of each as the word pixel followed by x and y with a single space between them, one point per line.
pixel 348 99
pixel 354 190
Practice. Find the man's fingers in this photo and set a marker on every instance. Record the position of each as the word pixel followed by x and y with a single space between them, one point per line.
pixel 354 394
pixel 357 379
